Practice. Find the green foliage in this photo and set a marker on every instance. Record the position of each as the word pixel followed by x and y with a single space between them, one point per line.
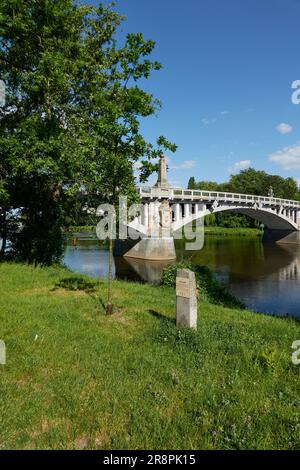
pixel 209 186
pixel 209 288
pixel 268 359
pixel 40 157
pixel 81 228
pixel 192 183
pixel 249 181
pixel 69 132
pixel 114 105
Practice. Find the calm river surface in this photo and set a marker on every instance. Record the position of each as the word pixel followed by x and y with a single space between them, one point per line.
pixel 265 277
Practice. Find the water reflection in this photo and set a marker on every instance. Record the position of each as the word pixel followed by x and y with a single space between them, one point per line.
pixel 245 258
pixel 265 277
pixel 149 271
pixel 91 257
pixel 88 257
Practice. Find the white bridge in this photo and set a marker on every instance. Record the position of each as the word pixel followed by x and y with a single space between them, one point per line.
pixel 188 205
pixel 165 210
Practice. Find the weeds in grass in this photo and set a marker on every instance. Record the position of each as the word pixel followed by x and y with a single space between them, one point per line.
pixel 76 283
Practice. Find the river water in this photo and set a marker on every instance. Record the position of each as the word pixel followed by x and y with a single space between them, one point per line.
pixel 265 277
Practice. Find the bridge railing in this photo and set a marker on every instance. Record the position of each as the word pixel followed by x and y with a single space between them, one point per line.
pixel 189 194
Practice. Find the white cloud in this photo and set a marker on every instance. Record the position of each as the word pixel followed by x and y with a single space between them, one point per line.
pixel 189 164
pixel 288 158
pixel 284 128
pixel 207 121
pixel 239 166
pixel 223 113
pixel 175 184
pixel 186 165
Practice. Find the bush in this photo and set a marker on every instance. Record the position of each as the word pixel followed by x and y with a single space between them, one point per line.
pixel 210 289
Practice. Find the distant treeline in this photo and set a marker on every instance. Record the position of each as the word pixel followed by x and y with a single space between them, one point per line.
pixel 248 181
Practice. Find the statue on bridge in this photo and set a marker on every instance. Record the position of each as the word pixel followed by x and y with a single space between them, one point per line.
pixel 164 211
pixel 162 180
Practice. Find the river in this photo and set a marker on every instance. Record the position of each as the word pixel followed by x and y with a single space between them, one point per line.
pixel 266 278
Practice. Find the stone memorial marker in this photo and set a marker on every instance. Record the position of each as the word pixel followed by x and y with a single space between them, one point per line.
pixel 186 299
pixel 2 352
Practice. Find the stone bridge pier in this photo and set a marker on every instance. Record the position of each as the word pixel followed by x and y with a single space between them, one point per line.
pixel 155 223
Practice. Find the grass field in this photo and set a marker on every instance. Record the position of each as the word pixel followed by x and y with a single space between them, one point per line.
pixel 76 379
pixel 230 232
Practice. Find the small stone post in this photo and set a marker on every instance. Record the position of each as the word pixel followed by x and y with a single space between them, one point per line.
pixel 186 299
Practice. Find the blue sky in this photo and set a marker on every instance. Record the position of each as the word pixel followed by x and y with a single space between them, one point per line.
pixel 228 67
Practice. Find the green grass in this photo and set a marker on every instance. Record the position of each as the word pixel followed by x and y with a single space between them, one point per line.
pixel 238 231
pixel 77 379
pixel 223 231
pixel 82 228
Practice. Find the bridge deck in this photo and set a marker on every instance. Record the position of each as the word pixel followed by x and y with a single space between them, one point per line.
pixel 210 196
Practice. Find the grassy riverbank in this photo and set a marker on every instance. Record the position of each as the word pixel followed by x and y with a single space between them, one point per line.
pixel 233 232
pixel 82 229
pixel 75 378
pixel 218 231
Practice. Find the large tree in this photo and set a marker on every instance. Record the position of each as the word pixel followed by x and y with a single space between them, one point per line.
pixel 40 51
pixel 252 181
pixel 70 127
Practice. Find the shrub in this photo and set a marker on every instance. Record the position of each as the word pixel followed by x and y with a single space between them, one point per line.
pixel 210 289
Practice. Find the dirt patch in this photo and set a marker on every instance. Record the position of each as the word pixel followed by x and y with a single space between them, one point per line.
pixel 23 381
pixel 81 443
pixel 48 424
pixel 58 292
pixel 35 291
pixel 101 440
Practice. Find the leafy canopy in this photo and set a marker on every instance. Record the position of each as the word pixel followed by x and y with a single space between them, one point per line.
pixel 70 129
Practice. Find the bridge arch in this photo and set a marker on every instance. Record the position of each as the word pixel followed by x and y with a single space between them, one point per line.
pixel 270 218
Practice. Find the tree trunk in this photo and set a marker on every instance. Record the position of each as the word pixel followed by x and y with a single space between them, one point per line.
pixel 109 306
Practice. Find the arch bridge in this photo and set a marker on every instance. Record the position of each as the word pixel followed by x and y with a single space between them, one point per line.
pixel 165 210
